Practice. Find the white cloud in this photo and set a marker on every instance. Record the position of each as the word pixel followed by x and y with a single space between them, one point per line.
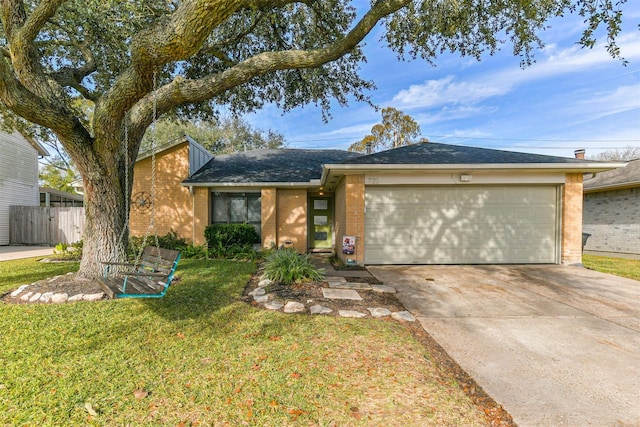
pixel 450 90
pixel 451 113
pixel 447 91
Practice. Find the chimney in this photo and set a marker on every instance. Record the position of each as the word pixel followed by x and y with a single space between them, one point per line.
pixel 579 153
pixel 368 148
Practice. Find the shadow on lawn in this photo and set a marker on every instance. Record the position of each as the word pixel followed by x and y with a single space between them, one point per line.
pixel 204 288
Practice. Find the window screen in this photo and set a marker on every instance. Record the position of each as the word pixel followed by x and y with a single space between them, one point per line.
pixel 237 208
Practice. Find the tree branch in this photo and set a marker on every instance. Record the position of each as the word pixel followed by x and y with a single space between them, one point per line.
pixel 32 108
pixel 40 15
pixel 181 92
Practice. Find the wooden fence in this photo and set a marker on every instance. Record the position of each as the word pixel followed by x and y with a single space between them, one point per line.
pixel 35 225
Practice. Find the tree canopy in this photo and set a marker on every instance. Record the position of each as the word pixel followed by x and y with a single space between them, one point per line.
pixel 223 136
pixel 133 61
pixel 618 154
pixel 397 129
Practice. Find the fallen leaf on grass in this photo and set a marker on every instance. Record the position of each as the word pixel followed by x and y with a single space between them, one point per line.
pixel 295 413
pixel 140 393
pixel 275 338
pixel 90 409
pixel 180 335
pixel 355 412
pixel 296 375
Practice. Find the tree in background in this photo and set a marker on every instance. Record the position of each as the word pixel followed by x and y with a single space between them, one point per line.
pixel 224 136
pixel 623 155
pixel 58 174
pixel 397 129
pixel 137 60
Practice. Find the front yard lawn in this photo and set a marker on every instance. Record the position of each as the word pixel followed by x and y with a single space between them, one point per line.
pixel 200 356
pixel 628 268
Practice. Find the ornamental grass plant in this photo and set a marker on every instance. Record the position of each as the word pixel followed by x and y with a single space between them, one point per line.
pixel 286 266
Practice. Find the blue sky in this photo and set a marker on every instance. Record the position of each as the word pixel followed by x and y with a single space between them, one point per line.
pixel 570 98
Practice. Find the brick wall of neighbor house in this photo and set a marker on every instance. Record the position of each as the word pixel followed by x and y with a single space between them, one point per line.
pixel 269 226
pixel 353 214
pixel 572 219
pixel 613 220
pixel 291 217
pixel 174 204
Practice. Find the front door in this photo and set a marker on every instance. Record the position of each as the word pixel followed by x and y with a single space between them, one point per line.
pixel 320 222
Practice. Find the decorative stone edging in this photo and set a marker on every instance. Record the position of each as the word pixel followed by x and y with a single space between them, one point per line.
pixel 260 296
pixel 25 296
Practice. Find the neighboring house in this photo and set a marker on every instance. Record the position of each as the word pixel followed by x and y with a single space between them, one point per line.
pixel 426 203
pixel 18 176
pixel 50 197
pixel 612 210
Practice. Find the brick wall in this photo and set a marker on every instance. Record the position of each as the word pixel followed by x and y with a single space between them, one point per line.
pixel 173 203
pixel 269 226
pixel 613 220
pixel 339 217
pixel 201 211
pixel 354 214
pixel 572 219
pixel 291 217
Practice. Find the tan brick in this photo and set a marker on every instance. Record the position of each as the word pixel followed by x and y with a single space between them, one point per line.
pixel 349 215
pixel 572 219
pixel 269 225
pixel 291 217
pixel 173 203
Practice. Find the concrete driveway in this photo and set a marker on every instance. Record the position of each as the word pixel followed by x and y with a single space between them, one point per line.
pixel 555 345
pixel 8 253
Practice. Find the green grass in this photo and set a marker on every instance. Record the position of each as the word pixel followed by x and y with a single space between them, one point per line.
pixel 206 358
pixel 628 268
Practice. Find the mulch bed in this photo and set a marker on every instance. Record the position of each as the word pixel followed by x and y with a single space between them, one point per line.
pixel 68 283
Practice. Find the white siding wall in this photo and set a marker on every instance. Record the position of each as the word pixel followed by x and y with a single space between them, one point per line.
pixel 18 178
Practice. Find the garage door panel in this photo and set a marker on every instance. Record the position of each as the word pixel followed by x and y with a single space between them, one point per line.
pixel 439 225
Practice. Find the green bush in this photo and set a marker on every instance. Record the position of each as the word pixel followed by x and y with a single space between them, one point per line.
pixel 287 266
pixel 226 235
pixel 238 252
pixel 193 252
pixel 70 252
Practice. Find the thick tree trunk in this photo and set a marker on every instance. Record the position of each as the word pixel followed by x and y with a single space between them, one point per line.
pixel 105 216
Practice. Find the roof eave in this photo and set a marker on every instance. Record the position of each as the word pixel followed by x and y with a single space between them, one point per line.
pixel 313 183
pixel 616 186
pixel 569 167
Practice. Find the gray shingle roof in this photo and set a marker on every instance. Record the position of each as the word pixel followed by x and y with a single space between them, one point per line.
pixel 431 153
pixel 628 175
pixel 268 165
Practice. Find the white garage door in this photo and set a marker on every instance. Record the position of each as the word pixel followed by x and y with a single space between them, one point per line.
pixel 461 225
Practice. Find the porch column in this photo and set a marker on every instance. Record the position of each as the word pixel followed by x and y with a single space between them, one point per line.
pixel 268 227
pixel 572 219
pixel 201 211
pixel 354 195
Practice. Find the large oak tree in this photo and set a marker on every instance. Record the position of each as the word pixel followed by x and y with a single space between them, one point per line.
pixel 136 59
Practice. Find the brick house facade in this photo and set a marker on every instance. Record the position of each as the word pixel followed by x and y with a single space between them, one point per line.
pixel 417 204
